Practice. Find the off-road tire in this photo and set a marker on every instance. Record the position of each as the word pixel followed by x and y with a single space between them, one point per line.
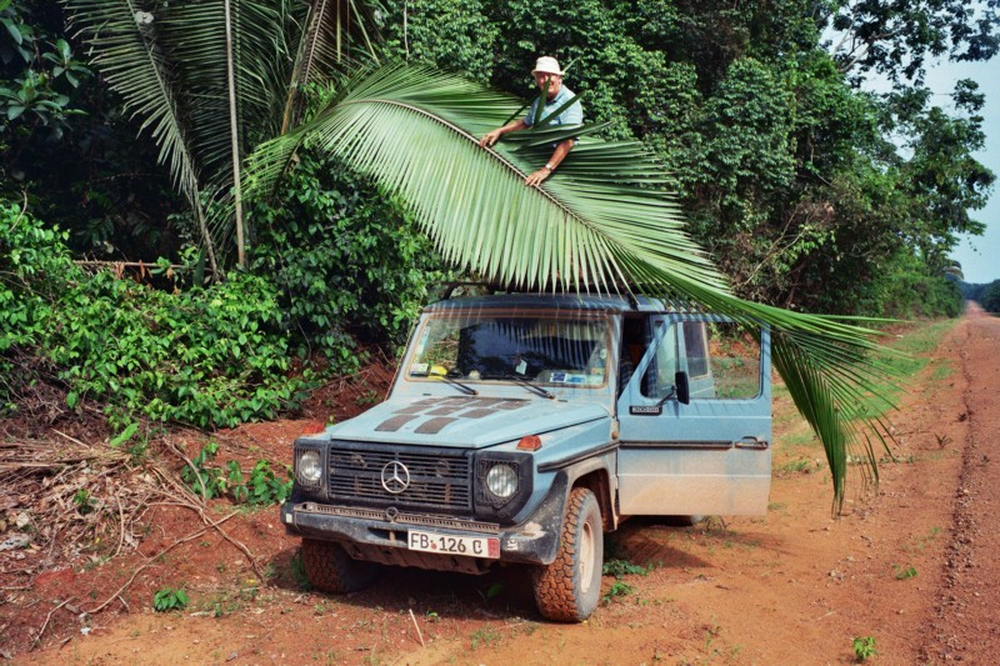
pixel 568 589
pixel 330 569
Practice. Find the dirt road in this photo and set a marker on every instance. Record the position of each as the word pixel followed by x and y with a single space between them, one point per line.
pixel 910 570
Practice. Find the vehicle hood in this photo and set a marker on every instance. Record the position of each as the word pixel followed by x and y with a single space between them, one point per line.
pixel 467 422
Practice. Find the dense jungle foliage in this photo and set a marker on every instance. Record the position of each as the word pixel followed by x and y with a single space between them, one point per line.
pixel 990 298
pixel 987 295
pixel 781 161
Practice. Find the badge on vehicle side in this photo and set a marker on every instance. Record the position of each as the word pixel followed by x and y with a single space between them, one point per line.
pixel 645 410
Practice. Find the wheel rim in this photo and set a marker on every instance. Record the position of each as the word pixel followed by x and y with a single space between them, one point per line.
pixel 586 557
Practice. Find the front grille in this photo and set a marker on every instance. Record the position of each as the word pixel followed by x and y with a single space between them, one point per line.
pixel 438 479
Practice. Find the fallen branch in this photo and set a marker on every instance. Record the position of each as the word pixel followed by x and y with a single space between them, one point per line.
pixel 194 470
pixel 121 524
pixel 72 439
pixel 419 635
pixel 45 624
pixel 200 510
pixel 152 560
pixel 143 266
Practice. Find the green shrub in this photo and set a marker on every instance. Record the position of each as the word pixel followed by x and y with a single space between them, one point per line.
pixel 209 357
pixel 909 290
pixel 345 258
pixel 168 599
pixel 200 477
pixel 990 297
pixel 263 488
pixel 864 648
pixel 266 487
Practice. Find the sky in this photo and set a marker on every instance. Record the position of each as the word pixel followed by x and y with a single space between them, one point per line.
pixel 979 255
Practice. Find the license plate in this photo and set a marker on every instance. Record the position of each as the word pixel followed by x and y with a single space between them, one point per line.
pixel 447 544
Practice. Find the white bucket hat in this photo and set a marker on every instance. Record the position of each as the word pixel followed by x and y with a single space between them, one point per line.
pixel 547 65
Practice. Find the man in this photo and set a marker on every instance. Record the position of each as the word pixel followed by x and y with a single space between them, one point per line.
pixel 549 77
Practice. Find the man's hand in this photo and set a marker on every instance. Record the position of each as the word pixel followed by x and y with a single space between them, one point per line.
pixel 489 138
pixel 537 177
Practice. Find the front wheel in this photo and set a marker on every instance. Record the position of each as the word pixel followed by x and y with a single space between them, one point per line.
pixel 568 589
pixel 329 568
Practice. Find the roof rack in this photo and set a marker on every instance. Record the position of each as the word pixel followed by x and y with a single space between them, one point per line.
pixel 451 285
pixel 493 288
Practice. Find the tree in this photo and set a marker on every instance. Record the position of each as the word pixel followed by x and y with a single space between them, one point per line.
pixel 210 81
pixel 990 297
pixel 896 38
pixel 782 165
pixel 39 76
pixel 944 178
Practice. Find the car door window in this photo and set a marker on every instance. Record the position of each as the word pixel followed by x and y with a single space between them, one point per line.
pixel 732 368
pixel 658 380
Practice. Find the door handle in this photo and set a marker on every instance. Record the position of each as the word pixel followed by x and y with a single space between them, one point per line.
pixel 751 442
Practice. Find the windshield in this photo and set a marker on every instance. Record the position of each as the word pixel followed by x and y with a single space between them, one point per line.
pixel 503 346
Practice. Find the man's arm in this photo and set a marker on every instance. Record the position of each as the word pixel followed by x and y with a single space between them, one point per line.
pixel 491 137
pixel 561 151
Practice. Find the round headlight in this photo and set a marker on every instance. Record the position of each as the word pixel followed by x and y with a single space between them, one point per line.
pixel 502 480
pixel 309 469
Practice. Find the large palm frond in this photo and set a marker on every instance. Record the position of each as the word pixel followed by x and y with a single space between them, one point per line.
pixel 170 64
pixel 603 221
pixel 336 33
pixel 167 60
pixel 196 34
pixel 136 64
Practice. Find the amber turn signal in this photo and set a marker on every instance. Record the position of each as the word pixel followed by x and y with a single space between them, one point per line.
pixel 529 443
pixel 313 428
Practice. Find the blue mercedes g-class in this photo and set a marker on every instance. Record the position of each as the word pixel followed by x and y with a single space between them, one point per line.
pixel 520 428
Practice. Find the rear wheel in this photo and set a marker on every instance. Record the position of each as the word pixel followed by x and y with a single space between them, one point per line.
pixel 329 568
pixel 568 589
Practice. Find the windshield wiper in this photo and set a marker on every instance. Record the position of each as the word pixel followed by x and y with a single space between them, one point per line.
pixel 526 383
pixel 464 388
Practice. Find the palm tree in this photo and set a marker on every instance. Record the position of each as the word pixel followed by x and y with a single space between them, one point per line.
pixel 603 222
pixel 211 80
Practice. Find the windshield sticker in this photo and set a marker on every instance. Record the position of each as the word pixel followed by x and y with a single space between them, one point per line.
pixel 568 378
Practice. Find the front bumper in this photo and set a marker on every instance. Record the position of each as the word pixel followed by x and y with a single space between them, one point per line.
pixel 381 535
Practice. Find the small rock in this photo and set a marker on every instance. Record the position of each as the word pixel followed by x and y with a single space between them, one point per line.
pixel 15 542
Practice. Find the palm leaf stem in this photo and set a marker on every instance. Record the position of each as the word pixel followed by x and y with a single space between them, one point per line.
pixel 234 137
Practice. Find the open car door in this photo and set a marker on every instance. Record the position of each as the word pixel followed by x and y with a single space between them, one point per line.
pixel 695 420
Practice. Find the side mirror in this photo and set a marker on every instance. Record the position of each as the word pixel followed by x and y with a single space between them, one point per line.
pixel 682 387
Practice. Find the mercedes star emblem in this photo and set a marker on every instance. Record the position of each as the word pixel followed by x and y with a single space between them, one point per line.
pixel 395 477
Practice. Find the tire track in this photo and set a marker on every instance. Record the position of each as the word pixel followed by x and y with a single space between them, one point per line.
pixel 965 626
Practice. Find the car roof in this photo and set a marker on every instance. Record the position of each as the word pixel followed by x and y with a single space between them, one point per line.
pixel 590 302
